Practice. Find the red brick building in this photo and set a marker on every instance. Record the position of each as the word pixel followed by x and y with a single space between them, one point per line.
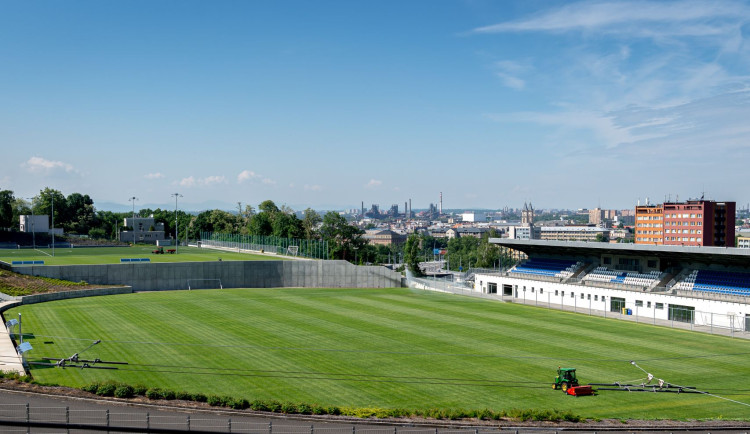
pixel 699 223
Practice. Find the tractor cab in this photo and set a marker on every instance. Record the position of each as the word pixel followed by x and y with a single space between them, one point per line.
pixel 565 379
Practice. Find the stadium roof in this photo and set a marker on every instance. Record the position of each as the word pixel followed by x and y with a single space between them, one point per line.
pixel 728 256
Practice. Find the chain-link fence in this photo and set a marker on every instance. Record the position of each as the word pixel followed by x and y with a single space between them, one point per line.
pixel 314 249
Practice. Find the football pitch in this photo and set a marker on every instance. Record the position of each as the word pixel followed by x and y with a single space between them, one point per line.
pixel 112 255
pixel 389 348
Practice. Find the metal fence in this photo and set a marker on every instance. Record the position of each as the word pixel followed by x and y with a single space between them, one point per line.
pixel 24 418
pixel 661 314
pixel 314 249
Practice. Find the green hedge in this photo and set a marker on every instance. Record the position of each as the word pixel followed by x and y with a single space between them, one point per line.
pixel 120 390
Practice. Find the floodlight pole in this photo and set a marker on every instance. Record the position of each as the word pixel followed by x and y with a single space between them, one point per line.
pixel 20 332
pixel 176 240
pixel 133 199
pixel 33 232
pixel 52 200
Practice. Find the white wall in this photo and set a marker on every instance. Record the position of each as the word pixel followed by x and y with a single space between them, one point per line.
pixel 551 294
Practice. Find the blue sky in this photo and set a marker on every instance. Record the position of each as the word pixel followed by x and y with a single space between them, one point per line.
pixel 326 104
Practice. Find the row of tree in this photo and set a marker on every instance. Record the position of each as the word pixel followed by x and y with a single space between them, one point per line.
pixel 76 215
pixel 461 253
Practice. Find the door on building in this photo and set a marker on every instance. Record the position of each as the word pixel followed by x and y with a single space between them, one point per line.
pixel 616 304
pixel 491 288
pixel 747 322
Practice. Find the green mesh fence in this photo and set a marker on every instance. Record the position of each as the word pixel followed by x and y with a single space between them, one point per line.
pixel 315 249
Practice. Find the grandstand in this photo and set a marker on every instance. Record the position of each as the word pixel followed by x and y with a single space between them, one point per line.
pixel 689 284
pixel 561 268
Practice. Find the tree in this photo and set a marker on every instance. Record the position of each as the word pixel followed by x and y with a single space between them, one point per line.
pixel 310 221
pixel 260 224
pixel 6 208
pixel 268 206
pixel 286 225
pixel 343 238
pixel 600 237
pixel 412 253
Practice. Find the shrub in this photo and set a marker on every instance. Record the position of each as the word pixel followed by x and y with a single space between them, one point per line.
pixel 184 396
pixel 215 400
pixel 154 393
pixel 106 389
pixel 258 405
pixel 289 408
pixel 168 394
pixel 199 397
pixel 124 391
pixel 139 390
pixel 90 388
pixel 239 404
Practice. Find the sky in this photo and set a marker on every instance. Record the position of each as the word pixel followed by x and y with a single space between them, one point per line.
pixel 326 104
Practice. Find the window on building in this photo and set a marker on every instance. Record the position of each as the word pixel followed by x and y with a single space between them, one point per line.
pixel 606 260
pixel 648 304
pixel 639 303
pixel 652 263
pixel 659 305
pixel 541 290
pixel 582 296
pixel 596 298
pixel 556 292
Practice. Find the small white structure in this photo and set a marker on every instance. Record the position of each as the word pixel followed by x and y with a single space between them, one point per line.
pixel 473 217
pixel 34 223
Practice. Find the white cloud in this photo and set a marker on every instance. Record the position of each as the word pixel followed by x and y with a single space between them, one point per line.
pixel 157 175
pixel 192 181
pixel 313 187
pixel 187 182
pixel 210 180
pixel 247 175
pixel 374 183
pixel 268 181
pixel 509 71
pixel 653 19
pixel 41 165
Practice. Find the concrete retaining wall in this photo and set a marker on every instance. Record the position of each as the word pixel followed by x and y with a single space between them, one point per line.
pixel 233 274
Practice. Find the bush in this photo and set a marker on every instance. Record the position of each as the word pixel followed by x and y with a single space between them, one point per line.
pixel 199 397
pixel 184 396
pixel 289 408
pixel 139 390
pixel 154 393
pixel 106 389
pixel 215 401
pixel 90 388
pixel 124 391
pixel 239 404
pixel 168 394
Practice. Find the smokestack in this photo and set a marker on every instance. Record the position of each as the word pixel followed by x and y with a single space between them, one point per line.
pixel 440 211
pixel 363 209
pixel 406 210
pixel 410 208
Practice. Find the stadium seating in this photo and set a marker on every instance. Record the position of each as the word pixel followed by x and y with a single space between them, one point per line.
pixel 718 282
pixel 548 267
pixel 603 274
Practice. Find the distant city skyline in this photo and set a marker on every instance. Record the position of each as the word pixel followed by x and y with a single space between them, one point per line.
pixel 326 104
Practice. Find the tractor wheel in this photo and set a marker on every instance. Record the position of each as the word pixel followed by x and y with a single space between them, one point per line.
pixel 554 386
pixel 565 386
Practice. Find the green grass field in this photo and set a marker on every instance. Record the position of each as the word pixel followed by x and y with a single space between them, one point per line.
pixel 385 348
pixel 112 255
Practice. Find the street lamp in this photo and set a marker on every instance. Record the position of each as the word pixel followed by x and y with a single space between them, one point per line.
pixel 176 240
